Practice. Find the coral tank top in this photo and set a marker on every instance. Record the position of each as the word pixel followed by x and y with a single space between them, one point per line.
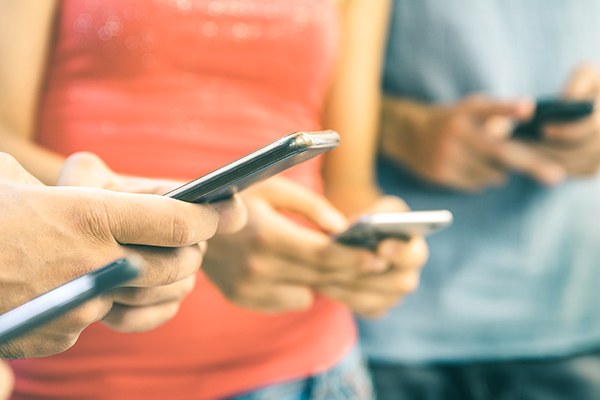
pixel 175 89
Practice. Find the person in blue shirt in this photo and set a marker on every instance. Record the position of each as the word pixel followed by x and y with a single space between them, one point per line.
pixel 509 304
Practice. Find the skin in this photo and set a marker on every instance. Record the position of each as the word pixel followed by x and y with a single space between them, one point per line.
pixel 465 146
pixel 369 283
pixel 52 235
pixel 7 381
pixel 253 257
pixel 576 146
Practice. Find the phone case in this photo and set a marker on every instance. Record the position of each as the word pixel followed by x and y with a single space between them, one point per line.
pixel 261 164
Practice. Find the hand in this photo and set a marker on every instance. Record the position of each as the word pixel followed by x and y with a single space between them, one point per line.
pixel 273 264
pixel 372 294
pixel 6 381
pixel 135 308
pixel 87 169
pixel 51 235
pixel 576 146
pixel 464 146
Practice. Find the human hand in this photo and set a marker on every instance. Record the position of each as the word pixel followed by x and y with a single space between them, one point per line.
pixel 576 146
pixel 372 294
pixel 52 235
pixel 6 381
pixel 87 169
pixel 463 146
pixel 273 264
pixel 143 308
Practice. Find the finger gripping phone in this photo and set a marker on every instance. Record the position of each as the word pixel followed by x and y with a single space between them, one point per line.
pixel 56 302
pixel 371 229
pixel 550 111
pixel 261 164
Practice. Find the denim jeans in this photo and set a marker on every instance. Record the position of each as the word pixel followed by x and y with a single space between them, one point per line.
pixel 572 378
pixel 348 380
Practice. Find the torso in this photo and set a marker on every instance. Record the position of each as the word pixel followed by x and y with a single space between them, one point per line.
pixel 176 89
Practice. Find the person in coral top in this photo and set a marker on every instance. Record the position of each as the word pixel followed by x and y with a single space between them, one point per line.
pixel 175 89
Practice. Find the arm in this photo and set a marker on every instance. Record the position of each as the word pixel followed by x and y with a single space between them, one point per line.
pixel 353 106
pixel 25 31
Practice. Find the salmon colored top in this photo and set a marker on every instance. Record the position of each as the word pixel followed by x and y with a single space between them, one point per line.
pixel 177 88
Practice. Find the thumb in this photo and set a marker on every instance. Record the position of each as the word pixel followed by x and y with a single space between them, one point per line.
pixel 583 84
pixel 284 194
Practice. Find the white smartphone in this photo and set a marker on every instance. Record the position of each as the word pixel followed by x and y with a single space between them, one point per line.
pixel 370 229
pixel 261 164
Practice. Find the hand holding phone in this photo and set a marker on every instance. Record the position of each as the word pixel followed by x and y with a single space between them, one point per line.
pixel 371 229
pixel 551 111
pixel 57 302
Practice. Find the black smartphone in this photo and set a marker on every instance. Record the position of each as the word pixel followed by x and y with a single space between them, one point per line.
pixel 56 302
pixel 370 229
pixel 550 111
pixel 261 164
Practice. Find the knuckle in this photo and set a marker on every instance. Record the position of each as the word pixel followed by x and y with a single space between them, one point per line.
pixel 182 231
pixel 92 220
pixel 262 238
pixel 83 315
pixel 139 296
pixel 255 266
pixel 175 266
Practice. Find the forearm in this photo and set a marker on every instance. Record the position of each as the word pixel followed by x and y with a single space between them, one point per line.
pixel 40 162
pixel 353 107
pixel 25 30
pixel 402 121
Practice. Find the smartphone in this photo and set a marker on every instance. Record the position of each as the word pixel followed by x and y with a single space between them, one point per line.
pixel 261 164
pixel 56 302
pixel 371 229
pixel 550 111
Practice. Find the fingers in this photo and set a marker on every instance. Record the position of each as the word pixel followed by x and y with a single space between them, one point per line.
pixel 164 266
pixel 525 158
pixel 155 220
pixel 484 107
pixel 12 171
pixel 286 195
pixel 232 215
pixel 404 255
pixel 584 83
pixel 138 297
pixel 271 268
pixel 388 204
pixel 138 319
pixel 306 246
pixel 365 304
pixel 574 134
pixel 267 298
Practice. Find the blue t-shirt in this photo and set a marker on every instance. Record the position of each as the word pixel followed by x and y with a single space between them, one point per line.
pixel 518 274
